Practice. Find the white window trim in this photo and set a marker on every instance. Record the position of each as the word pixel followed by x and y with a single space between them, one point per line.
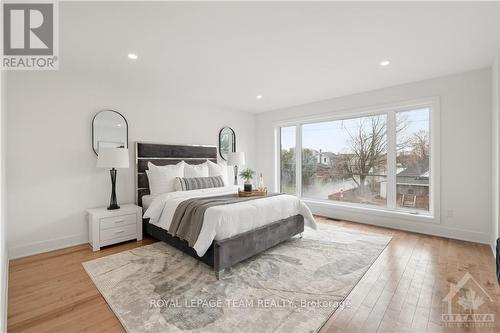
pixel 434 214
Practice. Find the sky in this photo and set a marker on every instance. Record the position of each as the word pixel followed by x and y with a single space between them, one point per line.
pixel 333 136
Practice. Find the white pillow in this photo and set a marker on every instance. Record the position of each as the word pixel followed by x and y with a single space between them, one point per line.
pixel 162 178
pixel 215 170
pixel 195 170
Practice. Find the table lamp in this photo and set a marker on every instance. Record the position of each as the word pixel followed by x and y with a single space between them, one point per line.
pixel 236 159
pixel 113 158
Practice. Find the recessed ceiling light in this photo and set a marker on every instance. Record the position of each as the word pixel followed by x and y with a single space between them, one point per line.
pixel 259 96
pixel 385 63
pixel 132 56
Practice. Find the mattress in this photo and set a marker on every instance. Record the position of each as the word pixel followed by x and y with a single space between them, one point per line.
pixel 146 201
pixel 225 221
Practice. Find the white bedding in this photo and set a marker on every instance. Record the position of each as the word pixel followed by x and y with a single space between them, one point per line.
pixel 146 201
pixel 225 221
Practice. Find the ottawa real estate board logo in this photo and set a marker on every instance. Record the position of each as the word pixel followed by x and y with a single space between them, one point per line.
pixel 30 35
pixel 468 305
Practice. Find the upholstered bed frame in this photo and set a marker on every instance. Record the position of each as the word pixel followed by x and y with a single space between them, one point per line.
pixel 221 254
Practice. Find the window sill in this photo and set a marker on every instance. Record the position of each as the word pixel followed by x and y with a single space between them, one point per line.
pixel 353 208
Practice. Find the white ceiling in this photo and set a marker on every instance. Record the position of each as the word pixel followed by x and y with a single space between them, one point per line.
pixel 224 54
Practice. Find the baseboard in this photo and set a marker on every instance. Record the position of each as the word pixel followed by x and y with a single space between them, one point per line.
pixel 24 250
pixel 427 228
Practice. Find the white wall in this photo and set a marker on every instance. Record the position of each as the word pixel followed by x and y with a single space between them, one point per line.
pixel 52 178
pixel 4 262
pixel 466 163
pixel 495 78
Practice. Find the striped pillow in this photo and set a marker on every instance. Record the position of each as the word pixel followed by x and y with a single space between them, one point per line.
pixel 196 183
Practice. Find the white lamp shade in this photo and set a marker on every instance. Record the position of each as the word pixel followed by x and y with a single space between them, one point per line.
pixel 237 158
pixel 113 158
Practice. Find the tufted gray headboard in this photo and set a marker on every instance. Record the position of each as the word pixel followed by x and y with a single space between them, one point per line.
pixel 165 154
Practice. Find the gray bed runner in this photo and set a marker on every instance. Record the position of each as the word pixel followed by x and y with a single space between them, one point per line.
pixel 189 215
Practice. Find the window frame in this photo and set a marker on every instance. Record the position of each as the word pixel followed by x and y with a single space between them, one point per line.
pixel 433 103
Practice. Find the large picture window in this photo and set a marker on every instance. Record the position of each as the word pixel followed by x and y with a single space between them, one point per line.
pixel 412 164
pixel 345 160
pixel 380 160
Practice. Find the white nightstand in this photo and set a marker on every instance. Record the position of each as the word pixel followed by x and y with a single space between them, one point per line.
pixel 108 227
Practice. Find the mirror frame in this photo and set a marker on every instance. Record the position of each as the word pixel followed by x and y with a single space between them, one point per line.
pixel 233 148
pixel 93 121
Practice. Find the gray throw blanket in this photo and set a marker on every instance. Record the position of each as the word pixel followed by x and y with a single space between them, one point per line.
pixel 189 215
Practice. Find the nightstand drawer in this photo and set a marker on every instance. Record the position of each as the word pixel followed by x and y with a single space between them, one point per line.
pixel 127 230
pixel 108 227
pixel 118 221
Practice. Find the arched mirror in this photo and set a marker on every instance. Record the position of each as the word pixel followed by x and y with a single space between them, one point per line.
pixel 227 142
pixel 109 130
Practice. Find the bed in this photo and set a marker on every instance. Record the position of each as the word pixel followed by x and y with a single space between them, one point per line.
pixel 283 216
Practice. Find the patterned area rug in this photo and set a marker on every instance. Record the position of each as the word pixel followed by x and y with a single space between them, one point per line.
pixel 293 287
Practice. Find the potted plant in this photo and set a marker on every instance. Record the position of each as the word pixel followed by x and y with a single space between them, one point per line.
pixel 247 175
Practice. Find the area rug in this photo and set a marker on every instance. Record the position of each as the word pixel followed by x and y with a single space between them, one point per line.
pixel 293 287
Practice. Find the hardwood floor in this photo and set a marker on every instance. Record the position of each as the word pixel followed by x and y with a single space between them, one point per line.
pixel 401 292
pixel 404 288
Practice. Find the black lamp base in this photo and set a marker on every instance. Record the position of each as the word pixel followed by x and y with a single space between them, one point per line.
pixel 235 175
pixel 112 202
